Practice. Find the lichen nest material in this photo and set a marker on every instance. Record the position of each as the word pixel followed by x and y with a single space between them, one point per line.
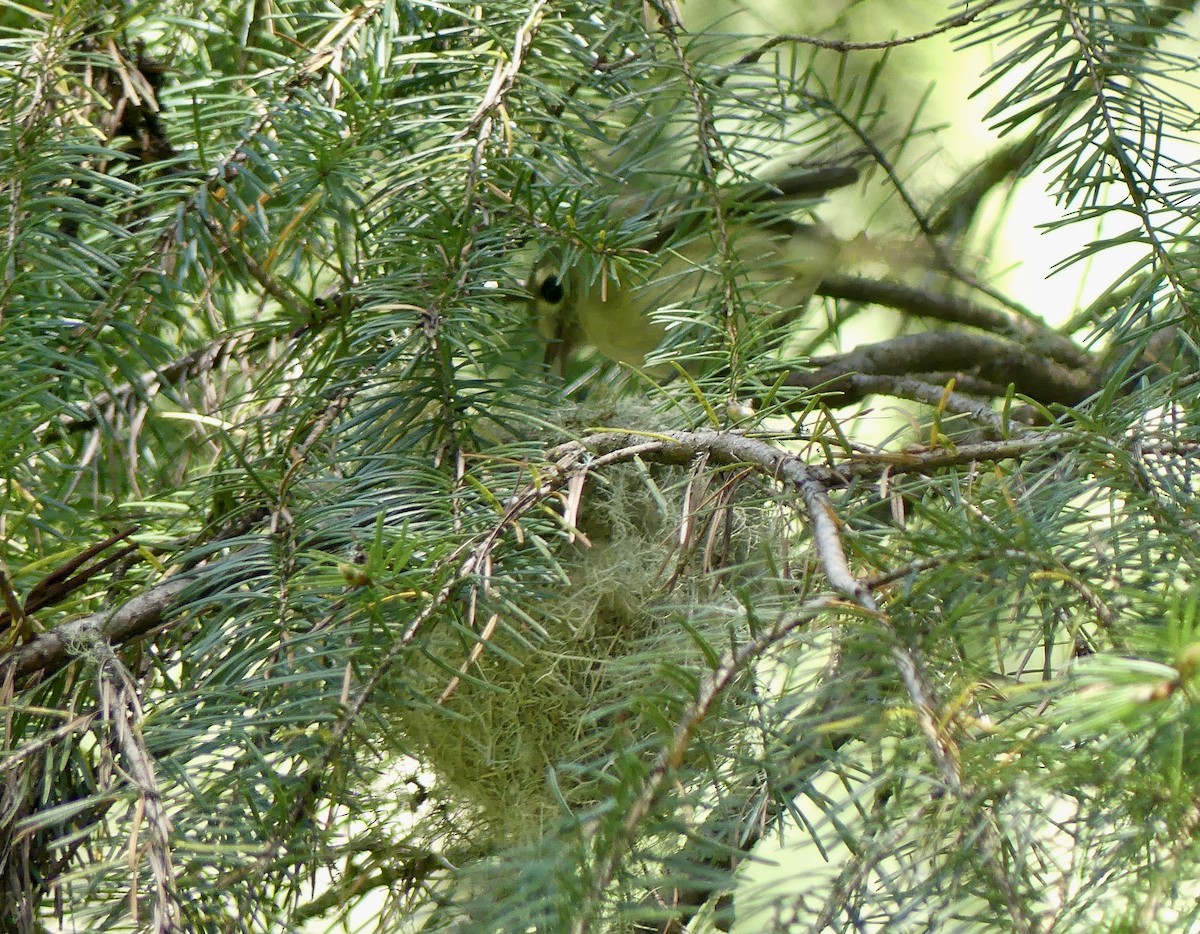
pixel 603 679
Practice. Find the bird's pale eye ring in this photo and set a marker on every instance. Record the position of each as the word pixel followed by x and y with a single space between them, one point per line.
pixel 551 290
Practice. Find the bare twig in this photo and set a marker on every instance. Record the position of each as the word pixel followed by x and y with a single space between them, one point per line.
pixel 942 398
pixel 121 706
pixel 505 73
pixel 842 45
pixel 75 725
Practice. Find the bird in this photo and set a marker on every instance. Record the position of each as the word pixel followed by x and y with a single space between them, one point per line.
pixel 574 306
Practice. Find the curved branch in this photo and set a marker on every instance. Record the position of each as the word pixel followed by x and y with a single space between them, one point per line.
pixel 993 359
pixel 51 650
pixel 954 309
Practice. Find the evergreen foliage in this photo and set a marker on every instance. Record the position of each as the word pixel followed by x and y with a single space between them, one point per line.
pixel 328 605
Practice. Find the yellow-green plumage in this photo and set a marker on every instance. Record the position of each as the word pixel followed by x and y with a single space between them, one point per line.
pixel 777 269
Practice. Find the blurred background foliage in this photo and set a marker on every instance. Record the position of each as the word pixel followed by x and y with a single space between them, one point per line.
pixel 327 606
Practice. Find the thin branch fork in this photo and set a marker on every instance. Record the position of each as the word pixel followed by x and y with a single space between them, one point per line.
pixel 994 359
pixel 64 579
pixel 955 309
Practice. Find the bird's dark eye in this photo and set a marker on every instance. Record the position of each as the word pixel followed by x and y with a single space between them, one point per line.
pixel 551 290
